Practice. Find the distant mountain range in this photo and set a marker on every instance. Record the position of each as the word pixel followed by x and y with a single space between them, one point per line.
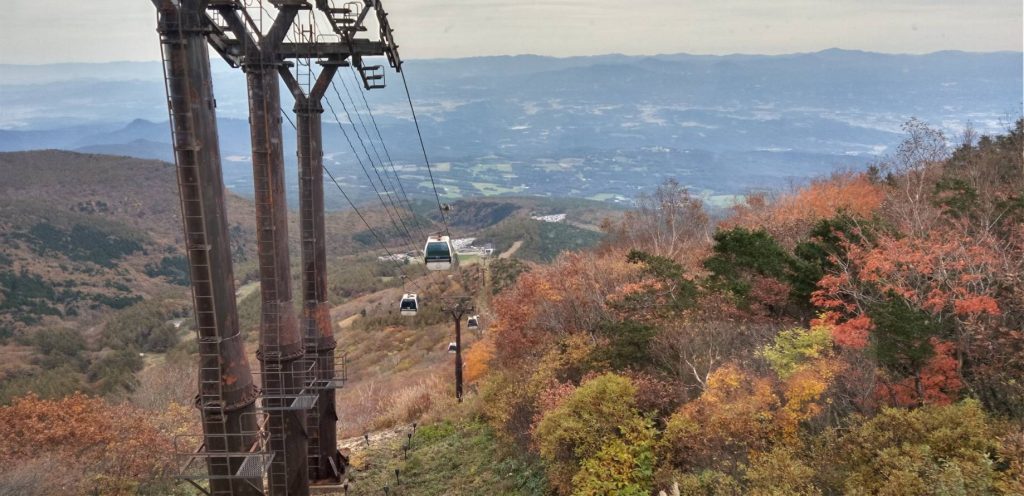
pixel 598 127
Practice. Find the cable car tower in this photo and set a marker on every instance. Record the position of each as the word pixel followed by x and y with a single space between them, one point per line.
pixel 286 430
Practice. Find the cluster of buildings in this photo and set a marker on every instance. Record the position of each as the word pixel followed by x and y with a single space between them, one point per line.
pixel 549 218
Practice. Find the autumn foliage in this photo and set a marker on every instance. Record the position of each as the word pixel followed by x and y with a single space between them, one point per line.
pixel 94 445
pixel 863 334
pixel 790 217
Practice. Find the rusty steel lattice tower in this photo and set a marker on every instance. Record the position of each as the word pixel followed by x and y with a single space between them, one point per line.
pixel 290 433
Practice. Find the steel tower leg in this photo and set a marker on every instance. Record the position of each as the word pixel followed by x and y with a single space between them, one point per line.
pixel 281 344
pixel 316 316
pixel 226 391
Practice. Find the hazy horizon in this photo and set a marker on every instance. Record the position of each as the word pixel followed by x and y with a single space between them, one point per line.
pixel 595 55
pixel 436 29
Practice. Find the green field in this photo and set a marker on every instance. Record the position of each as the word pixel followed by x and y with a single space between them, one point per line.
pixel 491 189
pixel 502 167
pixel 724 201
pixel 445 190
pixel 465 259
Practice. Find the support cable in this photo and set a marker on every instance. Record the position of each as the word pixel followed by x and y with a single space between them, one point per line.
pixel 366 132
pixel 359 214
pixel 362 143
pixel 426 159
pixel 405 197
pixel 337 120
pixel 361 165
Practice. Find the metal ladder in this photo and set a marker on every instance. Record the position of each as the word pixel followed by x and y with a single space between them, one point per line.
pixel 183 138
pixel 210 399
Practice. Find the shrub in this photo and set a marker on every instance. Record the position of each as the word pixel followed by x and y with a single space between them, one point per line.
pixel 175 268
pixel 930 450
pixel 26 297
pixel 115 448
pixel 84 242
pixel 60 346
pixel 779 472
pixel 590 419
pixel 709 482
pixel 505 272
pixel 115 372
pixel 733 416
pixel 624 466
pixel 47 383
pixel 506 407
pixel 143 327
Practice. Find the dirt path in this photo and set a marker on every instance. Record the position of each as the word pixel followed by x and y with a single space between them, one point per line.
pixel 346 323
pixel 512 249
pixel 360 443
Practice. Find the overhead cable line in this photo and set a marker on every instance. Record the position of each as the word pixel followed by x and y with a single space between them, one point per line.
pixel 394 170
pixel 334 180
pixel 358 213
pixel 426 159
pixel 380 160
pixel 365 171
pixel 405 229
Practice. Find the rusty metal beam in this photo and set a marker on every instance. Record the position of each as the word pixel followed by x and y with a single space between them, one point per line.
pixel 226 391
pixel 457 307
pixel 316 317
pixel 281 344
pixel 320 50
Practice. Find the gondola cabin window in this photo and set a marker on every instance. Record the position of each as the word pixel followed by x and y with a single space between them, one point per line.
pixel 409 305
pixel 438 254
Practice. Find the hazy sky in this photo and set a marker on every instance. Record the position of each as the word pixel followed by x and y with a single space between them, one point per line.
pixel 37 31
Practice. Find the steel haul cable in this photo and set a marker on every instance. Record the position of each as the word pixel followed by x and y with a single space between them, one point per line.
pixel 423 147
pixel 394 170
pixel 352 204
pixel 404 229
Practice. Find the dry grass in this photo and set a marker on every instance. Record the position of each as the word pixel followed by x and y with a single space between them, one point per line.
pixel 165 380
pixel 39 477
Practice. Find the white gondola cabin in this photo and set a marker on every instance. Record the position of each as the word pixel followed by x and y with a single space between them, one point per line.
pixel 410 304
pixel 452 347
pixel 474 322
pixel 439 254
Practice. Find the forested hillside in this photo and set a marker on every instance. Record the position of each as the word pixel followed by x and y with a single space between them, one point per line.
pixel 858 335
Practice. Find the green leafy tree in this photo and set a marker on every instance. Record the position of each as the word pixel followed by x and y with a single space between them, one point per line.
pixel 628 344
pixel 902 338
pixel 740 256
pixel 797 346
pixel 673 293
pixel 827 242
